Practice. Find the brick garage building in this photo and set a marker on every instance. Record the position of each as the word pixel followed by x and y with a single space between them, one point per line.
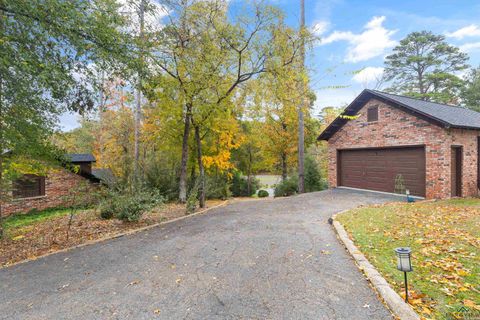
pixel 37 192
pixel 431 149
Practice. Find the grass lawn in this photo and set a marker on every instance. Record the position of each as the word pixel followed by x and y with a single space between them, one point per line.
pixel 22 220
pixel 445 241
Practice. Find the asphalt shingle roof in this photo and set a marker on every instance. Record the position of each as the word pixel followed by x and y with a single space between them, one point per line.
pixel 104 175
pixel 80 157
pixel 452 115
pixel 444 115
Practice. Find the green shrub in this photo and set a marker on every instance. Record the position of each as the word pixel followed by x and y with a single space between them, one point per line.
pixel 129 206
pixel 107 209
pixel 287 187
pixel 163 175
pixel 263 193
pixel 313 179
pixel 239 186
pixel 192 199
pixel 217 187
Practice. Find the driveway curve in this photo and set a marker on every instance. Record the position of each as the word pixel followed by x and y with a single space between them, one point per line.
pixel 265 259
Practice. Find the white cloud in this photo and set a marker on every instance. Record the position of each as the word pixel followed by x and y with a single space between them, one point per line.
pixel 337 36
pixel 468 31
pixel 368 75
pixel 69 121
pixel 153 18
pixel 334 98
pixel 320 27
pixel 372 42
pixel 470 47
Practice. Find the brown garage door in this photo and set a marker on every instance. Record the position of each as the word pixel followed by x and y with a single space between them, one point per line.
pixel 376 169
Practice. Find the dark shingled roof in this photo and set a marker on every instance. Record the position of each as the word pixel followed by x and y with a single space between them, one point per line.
pixel 104 175
pixel 452 115
pixel 80 157
pixel 443 115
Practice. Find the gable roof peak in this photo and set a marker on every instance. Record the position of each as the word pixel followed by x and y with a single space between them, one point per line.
pixel 444 115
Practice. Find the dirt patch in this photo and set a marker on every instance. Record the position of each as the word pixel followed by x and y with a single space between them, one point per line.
pixel 50 235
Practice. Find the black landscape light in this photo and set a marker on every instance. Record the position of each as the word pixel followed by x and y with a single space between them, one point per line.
pixel 404 263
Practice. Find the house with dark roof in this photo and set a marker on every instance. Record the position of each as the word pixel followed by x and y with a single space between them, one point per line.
pixel 391 143
pixel 52 190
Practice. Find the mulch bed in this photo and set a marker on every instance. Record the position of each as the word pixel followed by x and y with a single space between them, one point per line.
pixel 50 235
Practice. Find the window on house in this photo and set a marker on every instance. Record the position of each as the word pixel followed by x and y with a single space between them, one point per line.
pixel 29 186
pixel 372 114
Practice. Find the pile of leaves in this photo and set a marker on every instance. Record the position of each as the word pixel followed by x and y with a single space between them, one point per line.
pixel 445 241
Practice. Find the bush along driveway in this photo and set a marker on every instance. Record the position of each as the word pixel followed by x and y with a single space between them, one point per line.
pixel 445 240
pixel 270 259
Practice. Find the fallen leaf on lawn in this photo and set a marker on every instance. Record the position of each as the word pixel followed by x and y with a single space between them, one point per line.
pixel 447 291
pixel 426 310
pixel 415 301
pixel 470 304
pixel 462 273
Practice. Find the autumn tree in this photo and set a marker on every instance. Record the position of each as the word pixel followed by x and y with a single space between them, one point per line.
pixel 110 136
pixel 277 101
pixel 249 158
pixel 79 140
pixel 319 150
pixel 471 92
pixel 210 56
pixel 48 50
pixel 425 66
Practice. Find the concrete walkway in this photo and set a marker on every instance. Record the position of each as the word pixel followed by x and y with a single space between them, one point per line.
pixel 266 259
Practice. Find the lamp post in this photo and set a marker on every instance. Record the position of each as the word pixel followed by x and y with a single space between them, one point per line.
pixel 409 199
pixel 404 263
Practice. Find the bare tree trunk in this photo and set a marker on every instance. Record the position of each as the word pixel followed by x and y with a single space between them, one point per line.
pixel 72 213
pixel 249 172
pixel 1 154
pixel 2 137
pixel 183 163
pixel 201 169
pixel 1 189
pixel 101 107
pixel 193 174
pixel 138 105
pixel 301 125
pixel 284 166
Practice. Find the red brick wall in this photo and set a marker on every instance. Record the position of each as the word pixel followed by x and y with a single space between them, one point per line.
pixel 468 140
pixel 59 183
pixel 398 128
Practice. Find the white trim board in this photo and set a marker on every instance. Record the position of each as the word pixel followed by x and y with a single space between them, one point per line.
pixel 382 192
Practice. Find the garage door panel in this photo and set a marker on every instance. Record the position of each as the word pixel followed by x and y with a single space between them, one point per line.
pixel 376 169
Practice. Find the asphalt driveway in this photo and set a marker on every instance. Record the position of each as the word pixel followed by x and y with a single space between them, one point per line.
pixel 268 259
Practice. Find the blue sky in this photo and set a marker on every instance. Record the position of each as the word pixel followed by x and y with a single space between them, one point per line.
pixel 357 35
